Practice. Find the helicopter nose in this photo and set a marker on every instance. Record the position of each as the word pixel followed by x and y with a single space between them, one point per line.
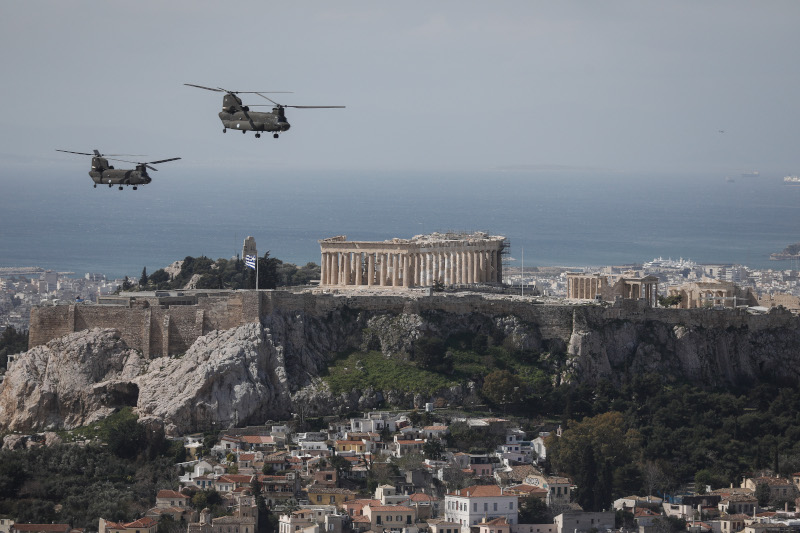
pixel 284 126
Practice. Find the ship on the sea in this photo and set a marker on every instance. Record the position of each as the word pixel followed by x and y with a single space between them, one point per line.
pixel 792 180
pixel 751 174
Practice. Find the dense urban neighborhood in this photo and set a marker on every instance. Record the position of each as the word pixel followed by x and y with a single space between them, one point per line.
pixel 400 472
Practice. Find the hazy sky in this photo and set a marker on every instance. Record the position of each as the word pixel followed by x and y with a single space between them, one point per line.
pixel 445 85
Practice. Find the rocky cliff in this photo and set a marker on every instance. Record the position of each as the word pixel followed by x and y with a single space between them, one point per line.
pixel 271 369
pixel 717 348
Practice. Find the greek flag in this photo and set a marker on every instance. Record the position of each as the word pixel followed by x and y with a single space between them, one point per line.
pixel 250 261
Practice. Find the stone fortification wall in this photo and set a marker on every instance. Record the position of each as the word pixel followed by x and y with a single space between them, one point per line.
pixel 154 330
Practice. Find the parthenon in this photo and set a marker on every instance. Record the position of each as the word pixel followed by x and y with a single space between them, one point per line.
pixel 445 259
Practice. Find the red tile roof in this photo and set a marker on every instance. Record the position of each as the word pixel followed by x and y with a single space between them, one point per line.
pixel 390 508
pixel 171 494
pixel 479 491
pixel 256 439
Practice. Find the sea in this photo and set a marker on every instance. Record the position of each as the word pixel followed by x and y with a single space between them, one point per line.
pixel 551 217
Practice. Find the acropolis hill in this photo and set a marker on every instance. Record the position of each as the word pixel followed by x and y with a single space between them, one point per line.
pixel 198 359
pixel 201 359
pixel 715 346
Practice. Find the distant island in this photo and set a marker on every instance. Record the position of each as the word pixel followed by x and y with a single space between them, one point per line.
pixel 790 252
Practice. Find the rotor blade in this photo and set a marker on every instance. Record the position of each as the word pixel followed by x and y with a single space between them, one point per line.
pixel 69 152
pixel 316 106
pixel 206 88
pixel 98 154
pixel 151 168
pixel 266 98
pixel 162 161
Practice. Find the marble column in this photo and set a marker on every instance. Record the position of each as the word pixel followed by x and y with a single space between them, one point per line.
pixel 335 269
pixel 359 268
pixel 370 269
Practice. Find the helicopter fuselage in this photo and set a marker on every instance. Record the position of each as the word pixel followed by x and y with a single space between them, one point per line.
pixel 102 172
pixel 120 177
pixel 254 121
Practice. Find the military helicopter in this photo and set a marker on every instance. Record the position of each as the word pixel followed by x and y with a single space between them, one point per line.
pixel 102 172
pixel 236 115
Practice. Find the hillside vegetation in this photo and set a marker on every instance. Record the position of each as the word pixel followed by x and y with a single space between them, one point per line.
pixel 648 436
pixel 228 274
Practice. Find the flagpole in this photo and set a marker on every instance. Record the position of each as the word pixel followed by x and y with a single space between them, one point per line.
pixel 256 271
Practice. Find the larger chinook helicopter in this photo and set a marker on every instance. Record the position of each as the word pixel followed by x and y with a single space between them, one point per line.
pixel 236 115
pixel 104 173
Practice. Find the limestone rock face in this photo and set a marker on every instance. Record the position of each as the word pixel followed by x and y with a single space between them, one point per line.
pixel 226 378
pixel 67 382
pixel 737 350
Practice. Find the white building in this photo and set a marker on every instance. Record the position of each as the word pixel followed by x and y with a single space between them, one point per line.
pixel 470 506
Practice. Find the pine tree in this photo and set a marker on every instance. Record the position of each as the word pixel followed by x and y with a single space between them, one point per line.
pixel 143 279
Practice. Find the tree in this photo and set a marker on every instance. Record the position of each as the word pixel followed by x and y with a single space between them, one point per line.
pixel 669 301
pixel 12 342
pixel 432 449
pixel 159 276
pixel 501 387
pixel 762 494
pixel 267 272
pixel 123 434
pixel 590 452
pixel 342 465
pixel 533 510
pixel 143 279
pixel 126 284
pixel 654 477
pixel 429 353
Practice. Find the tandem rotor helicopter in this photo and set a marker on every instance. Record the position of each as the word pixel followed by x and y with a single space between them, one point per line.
pixel 104 173
pixel 236 115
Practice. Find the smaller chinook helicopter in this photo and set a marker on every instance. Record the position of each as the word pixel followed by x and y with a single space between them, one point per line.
pixel 236 115
pixel 102 172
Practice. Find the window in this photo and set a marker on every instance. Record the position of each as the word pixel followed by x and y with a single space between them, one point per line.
pixel 486 507
pixel 475 507
pixel 495 506
pixel 511 505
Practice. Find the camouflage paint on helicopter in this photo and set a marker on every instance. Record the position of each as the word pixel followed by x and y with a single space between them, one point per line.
pixel 236 115
pixel 104 173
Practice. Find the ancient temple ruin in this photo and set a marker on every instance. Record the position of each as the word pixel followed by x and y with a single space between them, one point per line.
pixel 446 259
pixel 627 286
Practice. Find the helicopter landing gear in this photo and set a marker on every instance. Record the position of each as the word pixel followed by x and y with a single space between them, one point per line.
pixel 244 131
pixel 95 185
pixel 109 185
pixel 274 135
pixel 224 130
pixel 258 135
pixel 120 187
pixel 134 187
